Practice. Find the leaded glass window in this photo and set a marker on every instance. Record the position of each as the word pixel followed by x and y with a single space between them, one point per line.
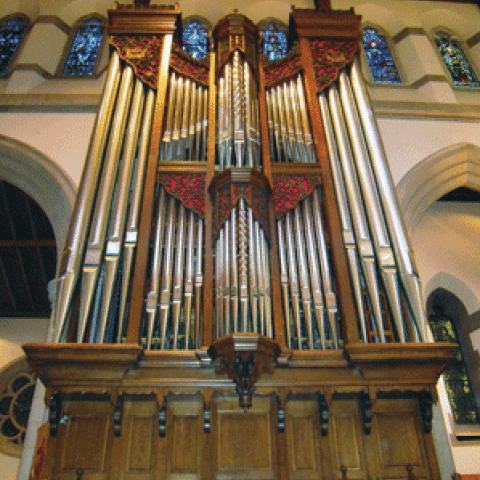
pixel 456 61
pixel 194 39
pixel 459 388
pixel 274 41
pixel 11 34
pixel 84 49
pixel 380 60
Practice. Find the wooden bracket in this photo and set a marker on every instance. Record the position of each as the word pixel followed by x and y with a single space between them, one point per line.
pixel 55 413
pixel 117 416
pixel 162 419
pixel 323 414
pixel 280 415
pixel 425 405
pixel 365 404
pixel 207 417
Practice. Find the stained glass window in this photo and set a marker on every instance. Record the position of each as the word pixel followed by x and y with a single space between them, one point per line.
pixel 456 61
pixel 194 39
pixel 11 34
pixel 274 41
pixel 380 60
pixel 83 52
pixel 459 388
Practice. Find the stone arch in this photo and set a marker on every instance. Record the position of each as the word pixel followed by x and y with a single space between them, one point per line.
pixel 450 168
pixel 456 288
pixel 34 173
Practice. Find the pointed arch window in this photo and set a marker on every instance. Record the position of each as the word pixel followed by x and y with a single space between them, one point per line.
pixel 379 57
pixel 274 40
pixel 194 39
pixel 12 31
pixel 84 48
pixel 459 387
pixel 456 61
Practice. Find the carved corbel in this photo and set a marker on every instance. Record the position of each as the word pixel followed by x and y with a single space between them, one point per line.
pixel 244 357
pixel 162 418
pixel 118 416
pixel 365 404
pixel 55 412
pixel 323 414
pixel 425 405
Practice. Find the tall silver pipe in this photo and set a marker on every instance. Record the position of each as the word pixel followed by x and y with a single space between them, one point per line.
pixel 381 240
pixel 189 278
pixel 182 145
pixel 96 243
pixel 303 274
pixel 284 281
pixel 156 265
pixel 261 279
pixel 73 251
pixel 226 283
pixel 166 147
pixel 252 272
pixel 293 278
pixel 362 235
pixel 114 246
pixel 178 275
pixel 243 264
pixel 283 125
pixel 203 156
pixel 131 233
pixel 347 228
pixel 299 133
pixel 199 282
pixel 305 121
pixel 166 288
pixel 292 141
pixel 390 204
pixel 219 284
pixel 267 286
pixel 234 291
pixel 199 124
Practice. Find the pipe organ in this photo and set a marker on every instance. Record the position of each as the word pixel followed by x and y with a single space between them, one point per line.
pixel 237 297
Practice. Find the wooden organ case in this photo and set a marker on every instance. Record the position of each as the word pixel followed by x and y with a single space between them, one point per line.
pixel 237 298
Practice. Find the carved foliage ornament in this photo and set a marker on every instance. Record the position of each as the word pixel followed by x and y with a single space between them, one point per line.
pixel 289 190
pixel 185 65
pixel 142 53
pixel 283 69
pixel 189 188
pixel 329 57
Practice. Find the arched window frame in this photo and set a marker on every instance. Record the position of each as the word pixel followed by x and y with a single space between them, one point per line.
pixel 281 26
pixel 205 24
pixel 391 47
pixel 465 50
pixel 28 26
pixel 78 24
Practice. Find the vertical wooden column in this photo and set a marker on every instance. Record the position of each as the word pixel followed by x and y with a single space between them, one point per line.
pixel 208 302
pixel 143 20
pixel 311 24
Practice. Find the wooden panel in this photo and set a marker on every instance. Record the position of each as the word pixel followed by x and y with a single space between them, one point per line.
pixel 397 440
pixel 346 440
pixel 244 441
pixel 139 434
pixel 184 433
pixel 302 432
pixel 84 441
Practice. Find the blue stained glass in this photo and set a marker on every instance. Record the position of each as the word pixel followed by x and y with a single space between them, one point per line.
pixel 274 41
pixel 380 60
pixel 84 50
pixel 456 61
pixel 11 33
pixel 194 39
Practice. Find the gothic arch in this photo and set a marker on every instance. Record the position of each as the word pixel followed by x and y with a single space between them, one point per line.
pixel 450 168
pixel 456 288
pixel 30 170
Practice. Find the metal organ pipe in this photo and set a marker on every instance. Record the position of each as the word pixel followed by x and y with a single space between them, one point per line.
pixel 384 179
pixel 75 244
pixel 347 139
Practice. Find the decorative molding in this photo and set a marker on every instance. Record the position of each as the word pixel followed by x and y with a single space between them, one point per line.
pixel 473 41
pixel 365 404
pixel 55 411
pixel 207 418
pixel 323 414
pixel 118 415
pixel 280 415
pixel 54 20
pixel 407 32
